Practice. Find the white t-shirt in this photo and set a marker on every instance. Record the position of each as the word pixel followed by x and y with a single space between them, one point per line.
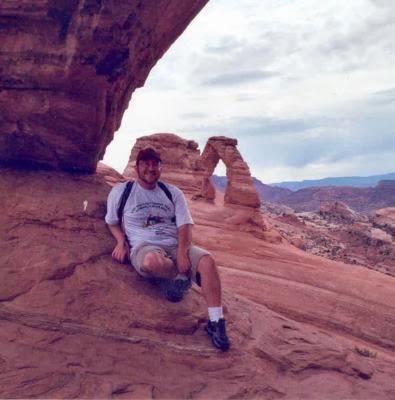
pixel 148 214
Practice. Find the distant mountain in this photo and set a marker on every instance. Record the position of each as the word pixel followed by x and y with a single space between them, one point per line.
pixel 272 194
pixel 265 192
pixel 361 199
pixel 354 181
pixel 219 182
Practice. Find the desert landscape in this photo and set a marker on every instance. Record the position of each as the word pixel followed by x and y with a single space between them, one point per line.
pixel 77 324
pixel 307 320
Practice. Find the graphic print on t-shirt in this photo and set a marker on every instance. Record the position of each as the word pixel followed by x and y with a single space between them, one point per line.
pixel 151 214
pixel 153 220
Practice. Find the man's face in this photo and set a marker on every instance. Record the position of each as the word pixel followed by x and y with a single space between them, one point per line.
pixel 148 171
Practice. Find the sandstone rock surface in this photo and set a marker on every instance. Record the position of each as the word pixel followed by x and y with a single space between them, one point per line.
pixel 76 324
pixel 340 211
pixel 384 218
pixel 110 175
pixel 69 68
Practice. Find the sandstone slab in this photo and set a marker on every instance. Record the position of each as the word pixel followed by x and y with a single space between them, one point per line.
pixel 76 324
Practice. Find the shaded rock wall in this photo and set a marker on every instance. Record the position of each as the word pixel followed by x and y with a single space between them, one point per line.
pixel 110 175
pixel 68 69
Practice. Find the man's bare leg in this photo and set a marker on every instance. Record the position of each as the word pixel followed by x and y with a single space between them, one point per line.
pixel 211 289
pixel 210 281
pixel 158 266
pixel 166 277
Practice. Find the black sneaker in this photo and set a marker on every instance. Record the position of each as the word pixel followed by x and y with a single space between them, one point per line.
pixel 217 332
pixel 174 289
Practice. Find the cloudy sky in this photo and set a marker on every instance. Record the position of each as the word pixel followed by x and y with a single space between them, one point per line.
pixel 307 87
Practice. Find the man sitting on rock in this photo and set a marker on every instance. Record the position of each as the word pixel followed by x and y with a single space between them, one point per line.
pixel 157 228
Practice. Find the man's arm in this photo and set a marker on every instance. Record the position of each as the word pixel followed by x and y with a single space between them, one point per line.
pixel 184 243
pixel 121 250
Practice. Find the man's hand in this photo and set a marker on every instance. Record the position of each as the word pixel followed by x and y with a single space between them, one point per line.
pixel 121 251
pixel 183 263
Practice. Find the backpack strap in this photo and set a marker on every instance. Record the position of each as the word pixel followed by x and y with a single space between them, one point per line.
pixel 122 201
pixel 169 196
pixel 126 193
pixel 166 190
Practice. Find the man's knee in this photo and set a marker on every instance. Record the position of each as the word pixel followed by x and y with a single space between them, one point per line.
pixel 206 264
pixel 154 262
pixel 151 262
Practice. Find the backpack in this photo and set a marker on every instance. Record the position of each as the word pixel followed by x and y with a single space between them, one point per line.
pixel 126 193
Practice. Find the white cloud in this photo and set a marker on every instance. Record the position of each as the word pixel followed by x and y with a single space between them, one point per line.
pixel 306 87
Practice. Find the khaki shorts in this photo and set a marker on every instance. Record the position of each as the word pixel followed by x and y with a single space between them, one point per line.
pixel 195 253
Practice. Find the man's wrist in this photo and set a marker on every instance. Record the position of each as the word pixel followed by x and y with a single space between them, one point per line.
pixel 183 250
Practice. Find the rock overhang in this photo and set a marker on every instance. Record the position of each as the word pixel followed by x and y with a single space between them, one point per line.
pixel 69 68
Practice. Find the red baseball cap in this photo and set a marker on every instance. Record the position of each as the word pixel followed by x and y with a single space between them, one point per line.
pixel 148 154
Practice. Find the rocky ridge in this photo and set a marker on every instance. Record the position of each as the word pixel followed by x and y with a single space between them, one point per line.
pixel 359 199
pixel 363 200
pixel 339 233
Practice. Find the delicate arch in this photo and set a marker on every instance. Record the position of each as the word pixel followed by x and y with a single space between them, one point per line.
pixel 240 187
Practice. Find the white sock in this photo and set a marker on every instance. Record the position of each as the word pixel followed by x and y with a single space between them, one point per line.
pixel 215 313
pixel 181 276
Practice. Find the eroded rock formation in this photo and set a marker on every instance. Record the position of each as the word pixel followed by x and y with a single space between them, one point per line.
pixel 340 211
pixel 183 166
pixel 240 189
pixel 68 69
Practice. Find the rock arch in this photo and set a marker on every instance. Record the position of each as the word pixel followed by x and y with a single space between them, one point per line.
pixel 240 188
pixel 184 166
